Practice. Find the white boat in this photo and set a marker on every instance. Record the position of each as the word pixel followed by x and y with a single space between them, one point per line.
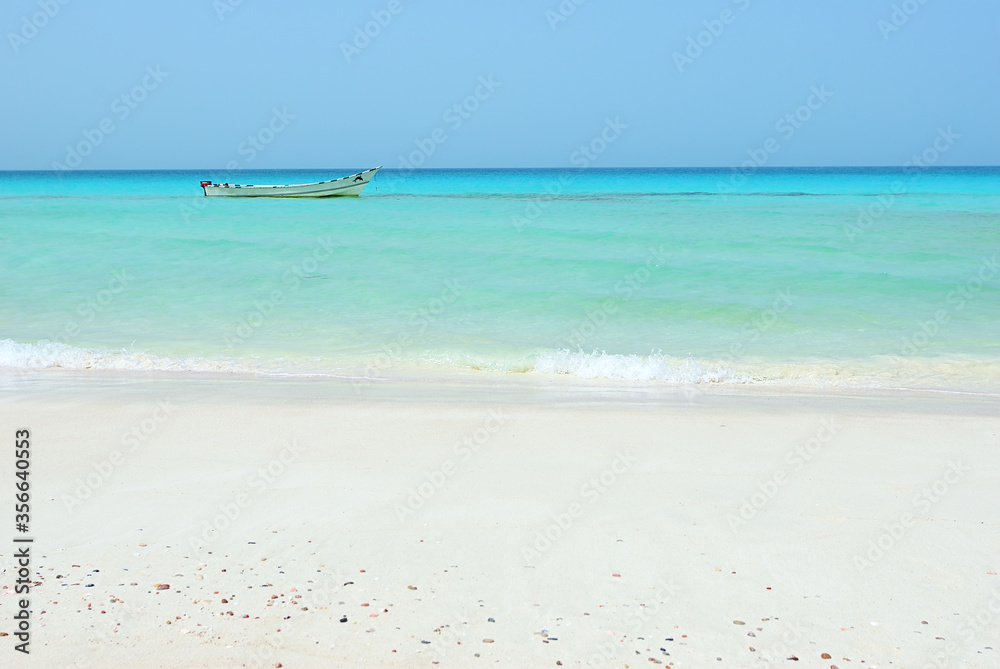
pixel 352 185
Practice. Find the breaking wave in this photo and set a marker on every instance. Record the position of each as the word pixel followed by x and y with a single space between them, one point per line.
pixel 890 372
pixel 56 355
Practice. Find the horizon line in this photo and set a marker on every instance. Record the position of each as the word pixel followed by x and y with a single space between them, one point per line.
pixel 765 168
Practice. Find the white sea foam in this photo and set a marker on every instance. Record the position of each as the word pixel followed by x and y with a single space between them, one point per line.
pixel 893 372
pixel 653 367
pixel 56 355
pixel 975 375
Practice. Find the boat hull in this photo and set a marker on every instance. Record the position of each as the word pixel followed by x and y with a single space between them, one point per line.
pixel 351 185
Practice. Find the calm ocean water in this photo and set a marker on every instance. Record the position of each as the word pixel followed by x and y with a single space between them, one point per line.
pixel 868 277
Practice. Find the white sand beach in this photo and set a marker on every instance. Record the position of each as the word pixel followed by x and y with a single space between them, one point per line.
pixel 529 523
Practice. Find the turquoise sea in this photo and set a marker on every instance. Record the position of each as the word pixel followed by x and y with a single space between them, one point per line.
pixel 850 277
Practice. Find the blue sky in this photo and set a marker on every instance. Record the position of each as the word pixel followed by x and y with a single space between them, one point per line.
pixel 254 84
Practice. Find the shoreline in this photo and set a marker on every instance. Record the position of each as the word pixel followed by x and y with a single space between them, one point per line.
pixel 590 524
pixel 957 374
pixel 462 385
